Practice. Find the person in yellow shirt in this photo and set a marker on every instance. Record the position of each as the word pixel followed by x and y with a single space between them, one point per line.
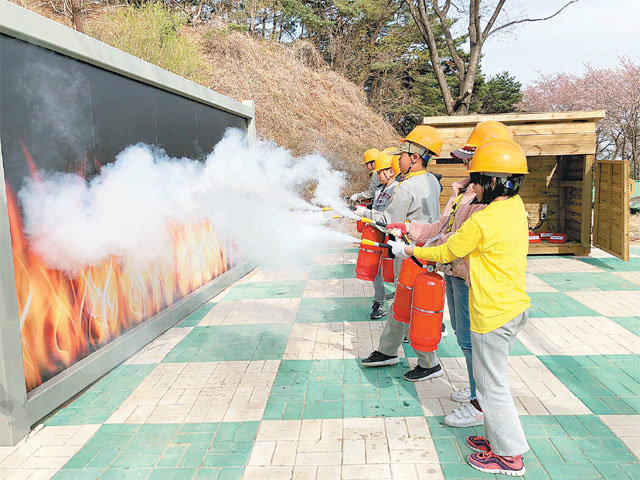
pixel 495 241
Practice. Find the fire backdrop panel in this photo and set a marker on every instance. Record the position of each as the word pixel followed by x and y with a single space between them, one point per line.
pixel 69 104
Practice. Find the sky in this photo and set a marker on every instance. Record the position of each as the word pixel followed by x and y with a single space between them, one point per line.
pixel 590 31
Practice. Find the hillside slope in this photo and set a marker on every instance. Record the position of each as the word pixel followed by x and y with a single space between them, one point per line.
pixel 301 104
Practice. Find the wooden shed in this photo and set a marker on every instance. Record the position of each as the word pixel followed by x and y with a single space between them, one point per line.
pixel 560 148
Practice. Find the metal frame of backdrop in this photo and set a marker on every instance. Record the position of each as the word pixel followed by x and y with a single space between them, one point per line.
pixel 19 409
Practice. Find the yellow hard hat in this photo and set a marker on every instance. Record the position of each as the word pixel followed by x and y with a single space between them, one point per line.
pixel 426 137
pixel 483 132
pixel 370 155
pixel 383 161
pixel 499 156
pixel 395 164
pixel 395 160
pixel 487 131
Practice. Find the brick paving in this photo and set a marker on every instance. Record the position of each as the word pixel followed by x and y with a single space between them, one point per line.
pixel 263 382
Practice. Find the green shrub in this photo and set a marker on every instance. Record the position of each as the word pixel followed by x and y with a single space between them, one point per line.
pixel 152 32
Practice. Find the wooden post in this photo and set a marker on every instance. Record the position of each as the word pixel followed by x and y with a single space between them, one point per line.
pixel 562 193
pixel 587 199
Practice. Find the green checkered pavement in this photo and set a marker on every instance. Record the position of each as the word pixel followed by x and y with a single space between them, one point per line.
pixel 198 450
pixel 340 389
pixel 256 398
pixel 561 447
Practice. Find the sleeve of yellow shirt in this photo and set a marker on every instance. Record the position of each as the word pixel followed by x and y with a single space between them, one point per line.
pixel 459 245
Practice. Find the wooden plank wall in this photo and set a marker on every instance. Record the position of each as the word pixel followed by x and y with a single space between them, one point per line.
pixel 537 139
pixel 542 185
pixel 571 189
pixel 611 227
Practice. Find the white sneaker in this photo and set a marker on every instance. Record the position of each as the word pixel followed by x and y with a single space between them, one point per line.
pixel 461 396
pixel 465 416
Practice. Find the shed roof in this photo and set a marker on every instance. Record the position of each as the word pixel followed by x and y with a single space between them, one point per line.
pixel 550 133
pixel 513 118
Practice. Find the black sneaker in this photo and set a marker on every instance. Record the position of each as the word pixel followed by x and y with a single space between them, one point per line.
pixel 444 332
pixel 378 359
pixel 419 374
pixel 377 311
pixel 405 340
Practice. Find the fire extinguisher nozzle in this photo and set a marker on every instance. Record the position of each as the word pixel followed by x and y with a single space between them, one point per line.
pixel 371 243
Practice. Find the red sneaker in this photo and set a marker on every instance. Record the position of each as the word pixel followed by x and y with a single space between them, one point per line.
pixel 478 444
pixel 488 462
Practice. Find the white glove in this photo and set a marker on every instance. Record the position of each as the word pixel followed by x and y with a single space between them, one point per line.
pixel 354 198
pixel 396 232
pixel 361 211
pixel 397 248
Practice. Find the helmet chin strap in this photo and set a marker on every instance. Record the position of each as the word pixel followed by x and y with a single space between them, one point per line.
pixel 412 162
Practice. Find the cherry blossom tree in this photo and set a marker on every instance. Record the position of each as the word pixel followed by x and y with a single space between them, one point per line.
pixel 616 90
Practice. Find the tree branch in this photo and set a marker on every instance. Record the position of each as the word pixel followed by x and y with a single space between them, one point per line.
pixel 492 20
pixel 528 20
pixel 421 18
pixel 448 38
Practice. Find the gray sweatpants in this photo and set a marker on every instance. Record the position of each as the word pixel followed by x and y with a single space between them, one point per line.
pixel 490 354
pixel 394 333
pixel 378 288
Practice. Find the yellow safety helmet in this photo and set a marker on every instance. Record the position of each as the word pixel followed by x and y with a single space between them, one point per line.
pixel 499 156
pixel 370 155
pixel 483 132
pixel 395 164
pixel 425 137
pixel 383 161
pixel 395 160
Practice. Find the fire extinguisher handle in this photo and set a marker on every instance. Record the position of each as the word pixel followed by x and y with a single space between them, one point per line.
pixel 405 239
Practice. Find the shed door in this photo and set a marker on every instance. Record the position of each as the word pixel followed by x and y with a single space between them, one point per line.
pixel 611 208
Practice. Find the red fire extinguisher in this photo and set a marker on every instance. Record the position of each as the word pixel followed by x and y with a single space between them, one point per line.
pixel 368 261
pixel 409 271
pixel 387 264
pixel 427 307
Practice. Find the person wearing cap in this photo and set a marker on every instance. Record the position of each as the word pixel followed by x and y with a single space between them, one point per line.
pixel 415 199
pixel 374 184
pixel 462 204
pixel 385 171
pixel 495 242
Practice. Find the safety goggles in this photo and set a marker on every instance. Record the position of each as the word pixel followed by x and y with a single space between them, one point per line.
pixel 410 148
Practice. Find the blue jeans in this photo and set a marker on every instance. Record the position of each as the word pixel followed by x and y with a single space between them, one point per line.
pixel 458 302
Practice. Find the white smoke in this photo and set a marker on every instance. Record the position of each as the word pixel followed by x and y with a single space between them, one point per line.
pixel 250 194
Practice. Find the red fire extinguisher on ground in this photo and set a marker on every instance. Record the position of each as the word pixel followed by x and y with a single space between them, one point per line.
pixel 427 308
pixel 368 262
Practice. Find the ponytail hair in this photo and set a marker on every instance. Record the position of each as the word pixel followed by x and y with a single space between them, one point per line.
pixel 506 185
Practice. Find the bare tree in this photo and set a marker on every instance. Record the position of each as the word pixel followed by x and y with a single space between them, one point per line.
pixel 77 15
pixel 432 16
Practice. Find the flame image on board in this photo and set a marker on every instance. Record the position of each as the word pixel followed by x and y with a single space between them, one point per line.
pixel 64 317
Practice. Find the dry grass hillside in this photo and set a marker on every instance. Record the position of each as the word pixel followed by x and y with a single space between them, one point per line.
pixel 301 104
